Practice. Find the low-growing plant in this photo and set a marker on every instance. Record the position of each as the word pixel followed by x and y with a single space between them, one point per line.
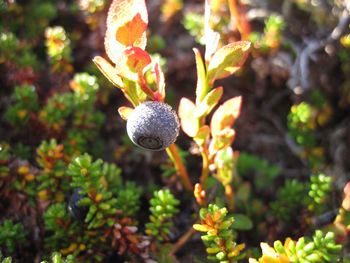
pixel 321 248
pixel 219 239
pixel 163 208
pixel 12 235
pixel 59 129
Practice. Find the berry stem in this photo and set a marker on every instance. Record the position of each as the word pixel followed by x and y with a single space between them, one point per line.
pixel 179 166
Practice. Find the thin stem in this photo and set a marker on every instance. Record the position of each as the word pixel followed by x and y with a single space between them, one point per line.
pixel 230 197
pixel 205 167
pixel 237 18
pixel 182 241
pixel 179 166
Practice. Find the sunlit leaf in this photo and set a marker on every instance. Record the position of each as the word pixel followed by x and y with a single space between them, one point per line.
pixel 202 227
pixel 131 63
pixel 108 71
pixel 120 15
pixel 209 102
pixel 189 122
pixel 227 60
pixel 224 164
pixel 131 31
pixel 125 112
pixel 225 115
pixel 202 135
pixel 202 85
pixel 221 140
pixel 212 42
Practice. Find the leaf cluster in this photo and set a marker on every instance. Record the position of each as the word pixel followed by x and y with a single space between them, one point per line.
pixel 219 237
pixel 265 173
pixel 87 176
pixel 321 248
pixel 25 103
pixel 163 208
pixel 319 193
pixel 289 198
pixel 12 235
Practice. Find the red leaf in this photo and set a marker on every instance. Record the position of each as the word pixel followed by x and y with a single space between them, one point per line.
pixel 131 63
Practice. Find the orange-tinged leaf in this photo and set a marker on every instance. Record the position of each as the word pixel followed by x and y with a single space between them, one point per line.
pixel 108 71
pixel 125 112
pixel 202 135
pixel 131 63
pixel 189 123
pixel 227 60
pixel 120 15
pixel 131 31
pixel 226 115
pixel 209 102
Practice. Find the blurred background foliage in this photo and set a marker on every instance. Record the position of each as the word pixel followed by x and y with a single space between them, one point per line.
pixel 74 189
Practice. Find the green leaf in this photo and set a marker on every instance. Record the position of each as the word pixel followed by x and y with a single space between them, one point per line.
pixel 213 250
pixel 202 85
pixel 209 102
pixel 108 71
pixel 242 222
pixel 202 135
pixel 227 60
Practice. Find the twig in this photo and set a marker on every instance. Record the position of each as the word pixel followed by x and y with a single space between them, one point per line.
pixel 299 80
pixel 182 241
pixel 179 166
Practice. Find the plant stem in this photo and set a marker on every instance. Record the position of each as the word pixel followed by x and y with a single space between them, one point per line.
pixel 205 168
pixel 239 19
pixel 179 166
pixel 182 241
pixel 230 197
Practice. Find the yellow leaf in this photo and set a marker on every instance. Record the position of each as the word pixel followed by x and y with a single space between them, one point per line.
pixel 202 135
pixel 189 122
pixel 209 102
pixel 108 71
pixel 125 112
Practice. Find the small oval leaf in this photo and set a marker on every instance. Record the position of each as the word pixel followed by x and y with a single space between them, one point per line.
pixel 209 102
pixel 189 122
pixel 125 112
pixel 227 60
pixel 242 222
